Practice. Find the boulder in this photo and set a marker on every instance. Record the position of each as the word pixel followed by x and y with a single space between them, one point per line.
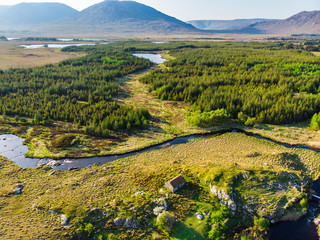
pixel 131 223
pixel 141 193
pixel 119 222
pixel 199 216
pixel 64 220
pixel 161 202
pixel 158 210
pixel 18 189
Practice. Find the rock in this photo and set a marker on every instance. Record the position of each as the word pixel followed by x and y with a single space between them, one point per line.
pixel 64 220
pixel 254 154
pixel 139 193
pixel 53 163
pixel 95 209
pixel 119 222
pixel 199 216
pixel 18 189
pixel 161 202
pixel 162 191
pixel 52 211
pixel 50 174
pixel 131 223
pixel 158 210
pixel 316 221
pixel 244 175
pixel 34 206
pixel 75 184
pixel 232 205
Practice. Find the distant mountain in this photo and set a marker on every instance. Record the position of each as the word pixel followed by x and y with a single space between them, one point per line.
pixel 25 14
pixel 225 24
pixel 121 17
pixel 301 23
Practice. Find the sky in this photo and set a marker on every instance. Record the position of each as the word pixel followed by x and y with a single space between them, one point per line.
pixel 209 9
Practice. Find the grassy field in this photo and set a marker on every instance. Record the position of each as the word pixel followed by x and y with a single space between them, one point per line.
pixel 13 56
pixel 92 198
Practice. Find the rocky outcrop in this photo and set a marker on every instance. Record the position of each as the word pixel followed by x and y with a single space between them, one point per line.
pixel 119 222
pixel 224 197
pixel 161 205
pixel 130 223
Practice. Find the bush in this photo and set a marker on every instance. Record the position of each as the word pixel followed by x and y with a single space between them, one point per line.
pixel 63 141
pixel 207 119
pixel 262 223
pixel 244 118
pixel 304 204
pixel 165 220
pixel 315 122
pixel 245 237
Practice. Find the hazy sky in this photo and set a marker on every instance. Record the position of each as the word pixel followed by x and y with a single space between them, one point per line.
pixel 209 9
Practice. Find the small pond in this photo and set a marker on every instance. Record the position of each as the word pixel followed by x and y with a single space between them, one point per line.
pixel 156 58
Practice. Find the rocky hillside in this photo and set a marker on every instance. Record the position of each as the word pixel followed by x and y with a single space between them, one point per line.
pixel 301 23
pixel 225 24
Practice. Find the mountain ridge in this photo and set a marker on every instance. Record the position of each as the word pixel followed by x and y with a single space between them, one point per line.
pixel 24 14
pixel 123 17
pixel 225 24
pixel 306 22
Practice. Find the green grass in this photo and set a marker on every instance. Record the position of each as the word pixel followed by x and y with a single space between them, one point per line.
pixel 192 227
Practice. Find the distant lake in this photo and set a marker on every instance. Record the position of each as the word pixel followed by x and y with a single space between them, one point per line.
pixel 156 58
pixel 58 45
pixel 159 42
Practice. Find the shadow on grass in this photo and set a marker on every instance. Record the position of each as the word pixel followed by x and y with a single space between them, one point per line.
pixel 183 232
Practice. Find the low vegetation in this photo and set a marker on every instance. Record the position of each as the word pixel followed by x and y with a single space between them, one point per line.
pixel 265 182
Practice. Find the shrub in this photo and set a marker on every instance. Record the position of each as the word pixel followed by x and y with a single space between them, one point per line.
pixel 262 223
pixel 165 220
pixel 63 141
pixel 207 119
pixel 304 204
pixel 245 237
pixel 315 122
